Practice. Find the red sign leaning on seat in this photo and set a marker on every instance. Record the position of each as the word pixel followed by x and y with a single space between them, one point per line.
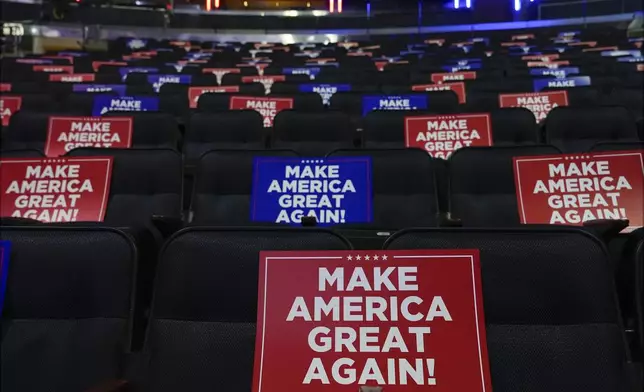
pixel 55 190
pixel 570 189
pixel 344 321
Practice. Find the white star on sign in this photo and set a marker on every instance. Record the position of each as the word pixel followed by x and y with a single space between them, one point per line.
pixel 375 257
pixel 367 258
pixel 384 257
pixel 358 257
pixel 349 257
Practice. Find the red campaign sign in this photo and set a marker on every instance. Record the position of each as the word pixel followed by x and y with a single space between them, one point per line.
pixel 458 88
pixel 195 92
pixel 9 104
pixel 54 68
pixel 522 37
pixel 220 72
pixel 267 107
pixel 323 60
pixel 513 43
pixel 343 320
pixel 570 189
pixel 544 58
pixel 266 80
pixel 435 41
pixel 548 64
pixel 72 78
pixel 56 190
pixel 66 133
pixel 69 59
pixel 582 43
pixel 451 76
pixel 96 65
pixel 5 87
pixel 600 49
pixel 380 65
pixel 440 136
pixel 540 104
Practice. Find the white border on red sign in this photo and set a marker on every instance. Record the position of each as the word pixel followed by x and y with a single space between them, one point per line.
pixel 54 160
pixel 518 176
pixel 464 115
pixel 102 118
pixel 470 258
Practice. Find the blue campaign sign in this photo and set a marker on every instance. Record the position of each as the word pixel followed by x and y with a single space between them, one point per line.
pixel 106 103
pixel 126 70
pixel 326 91
pixel 136 43
pixel 159 80
pixel 464 61
pixel 393 102
pixel 333 190
pixel 72 54
pixel 311 71
pixel 556 72
pixel 418 53
pixel 99 88
pixel 574 81
pixel 621 53
pixel 5 249
pixel 631 59
pixel 457 68
pixel 328 64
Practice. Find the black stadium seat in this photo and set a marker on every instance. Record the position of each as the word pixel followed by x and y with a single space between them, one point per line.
pixel 481 184
pixel 312 134
pixel 403 177
pixel 223 186
pixel 145 184
pixel 236 129
pixel 194 344
pixel 553 322
pixel 578 129
pixel 67 319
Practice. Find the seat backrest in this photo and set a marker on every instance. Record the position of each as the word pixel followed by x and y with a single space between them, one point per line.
pixel 145 183
pixel 68 308
pixel 224 185
pixel 552 318
pixel 27 130
pixel 242 129
pixel 386 128
pixel 574 129
pixel 202 329
pixel 617 146
pixel 152 129
pixel 514 126
pixel 312 134
pixel 481 184
pixel 402 177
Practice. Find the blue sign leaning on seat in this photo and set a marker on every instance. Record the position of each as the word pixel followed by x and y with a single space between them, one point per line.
pixel 563 83
pixel 333 191
pixel 312 72
pixel 99 88
pixel 107 103
pixel 556 72
pixel 124 71
pixel 5 249
pixel 159 80
pixel 393 102
pixel 326 91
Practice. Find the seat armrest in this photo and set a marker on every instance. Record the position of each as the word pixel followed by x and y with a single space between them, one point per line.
pixel 112 386
pixel 606 229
